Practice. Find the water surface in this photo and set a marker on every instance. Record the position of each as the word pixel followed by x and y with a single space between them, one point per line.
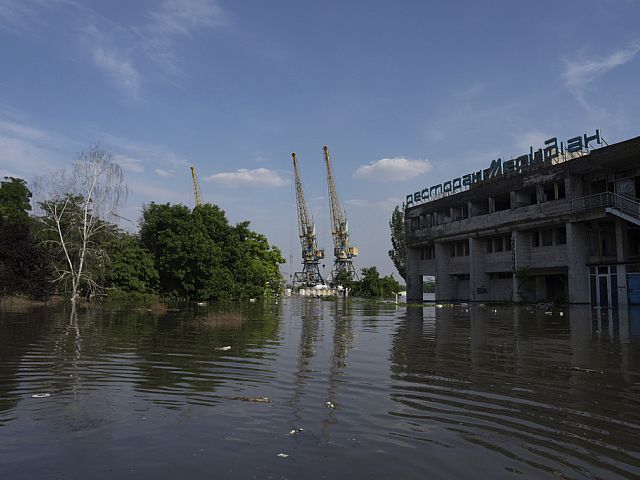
pixel 379 391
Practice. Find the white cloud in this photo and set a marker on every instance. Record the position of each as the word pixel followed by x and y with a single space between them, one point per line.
pixel 534 138
pixel 578 74
pixel 181 17
pixel 260 177
pixel 393 169
pixel 165 173
pixel 129 164
pixel 120 70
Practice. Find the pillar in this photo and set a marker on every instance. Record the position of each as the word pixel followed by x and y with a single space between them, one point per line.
pixel 414 275
pixel 577 259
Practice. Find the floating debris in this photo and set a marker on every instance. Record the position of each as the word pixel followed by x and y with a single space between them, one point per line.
pixel 283 455
pixel 252 300
pixel 225 348
pixel 295 431
pixel 40 395
pixel 251 399
pixel 201 304
pixel 329 405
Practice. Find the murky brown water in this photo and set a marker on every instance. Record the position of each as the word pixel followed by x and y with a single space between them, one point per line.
pixel 425 393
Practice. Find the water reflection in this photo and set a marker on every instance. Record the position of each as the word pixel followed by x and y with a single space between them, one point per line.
pixel 417 392
pixel 553 391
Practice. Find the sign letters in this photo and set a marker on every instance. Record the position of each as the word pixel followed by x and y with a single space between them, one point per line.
pixel 551 151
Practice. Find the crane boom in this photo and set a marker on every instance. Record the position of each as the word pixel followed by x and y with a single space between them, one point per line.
pixel 196 186
pixel 339 226
pixel 311 255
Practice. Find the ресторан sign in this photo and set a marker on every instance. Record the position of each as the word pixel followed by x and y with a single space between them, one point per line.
pixel 550 151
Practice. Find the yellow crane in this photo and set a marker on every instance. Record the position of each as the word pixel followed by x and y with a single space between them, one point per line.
pixel 339 228
pixel 196 186
pixel 311 254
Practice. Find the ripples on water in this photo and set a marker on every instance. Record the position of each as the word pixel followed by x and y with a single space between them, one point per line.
pixel 419 393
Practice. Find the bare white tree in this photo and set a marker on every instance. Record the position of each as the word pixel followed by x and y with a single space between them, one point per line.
pixel 77 206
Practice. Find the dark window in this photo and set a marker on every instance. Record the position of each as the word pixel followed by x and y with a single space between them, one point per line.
pixel 489 245
pixel 561 191
pixel 547 238
pixel 561 236
pixel 535 239
pixel 507 242
pixel 497 244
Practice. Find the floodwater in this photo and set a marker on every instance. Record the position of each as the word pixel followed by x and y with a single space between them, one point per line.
pixel 320 389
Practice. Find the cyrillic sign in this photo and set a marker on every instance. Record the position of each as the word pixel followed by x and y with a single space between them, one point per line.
pixel 498 167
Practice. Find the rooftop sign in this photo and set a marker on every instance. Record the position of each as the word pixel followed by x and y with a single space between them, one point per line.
pixel 498 167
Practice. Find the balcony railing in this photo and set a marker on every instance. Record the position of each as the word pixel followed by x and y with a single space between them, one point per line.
pixel 620 205
pixel 617 203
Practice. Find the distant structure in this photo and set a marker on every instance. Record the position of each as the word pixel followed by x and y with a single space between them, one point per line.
pixel 196 186
pixel 339 229
pixel 311 254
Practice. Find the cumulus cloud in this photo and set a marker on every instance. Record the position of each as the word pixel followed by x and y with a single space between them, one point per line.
pixel 120 71
pixel 260 177
pixel 165 173
pixel 579 73
pixel 394 169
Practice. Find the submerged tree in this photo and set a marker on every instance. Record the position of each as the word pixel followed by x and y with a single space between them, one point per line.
pixel 398 253
pixel 77 206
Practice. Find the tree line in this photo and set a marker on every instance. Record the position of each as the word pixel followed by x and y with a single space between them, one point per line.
pixel 71 244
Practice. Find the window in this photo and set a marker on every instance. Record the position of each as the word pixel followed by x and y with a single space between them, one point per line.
pixel 507 242
pixel 561 236
pixel 535 239
pixel 560 190
pixel 497 244
pixel 547 237
pixel 489 242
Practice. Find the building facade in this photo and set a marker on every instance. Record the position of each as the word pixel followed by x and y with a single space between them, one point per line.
pixel 565 228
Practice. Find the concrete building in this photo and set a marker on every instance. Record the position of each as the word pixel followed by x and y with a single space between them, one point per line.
pixel 551 225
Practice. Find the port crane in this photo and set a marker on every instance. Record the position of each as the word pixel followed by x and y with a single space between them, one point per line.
pixel 311 254
pixel 343 252
pixel 196 186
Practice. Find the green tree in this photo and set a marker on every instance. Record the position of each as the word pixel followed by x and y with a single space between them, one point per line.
pixel 371 285
pixel 14 198
pixel 24 265
pixel 398 253
pixel 200 256
pixel 130 267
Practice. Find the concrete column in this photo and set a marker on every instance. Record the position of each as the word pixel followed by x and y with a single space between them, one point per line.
pixel 478 279
pixel 414 275
pixel 444 281
pixel 492 204
pixel 521 249
pixel 539 193
pixel 578 257
pixel 621 270
pixel 471 209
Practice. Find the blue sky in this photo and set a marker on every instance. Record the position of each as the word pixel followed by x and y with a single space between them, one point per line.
pixel 405 93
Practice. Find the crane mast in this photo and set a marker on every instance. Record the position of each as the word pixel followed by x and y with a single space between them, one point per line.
pixel 311 255
pixel 343 252
pixel 196 186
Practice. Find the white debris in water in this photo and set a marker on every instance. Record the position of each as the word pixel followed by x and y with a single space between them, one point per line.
pixel 224 349
pixel 283 455
pixel 295 431
pixel 329 405
pixel 40 395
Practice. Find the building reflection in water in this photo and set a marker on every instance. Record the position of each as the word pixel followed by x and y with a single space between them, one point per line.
pixel 556 384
